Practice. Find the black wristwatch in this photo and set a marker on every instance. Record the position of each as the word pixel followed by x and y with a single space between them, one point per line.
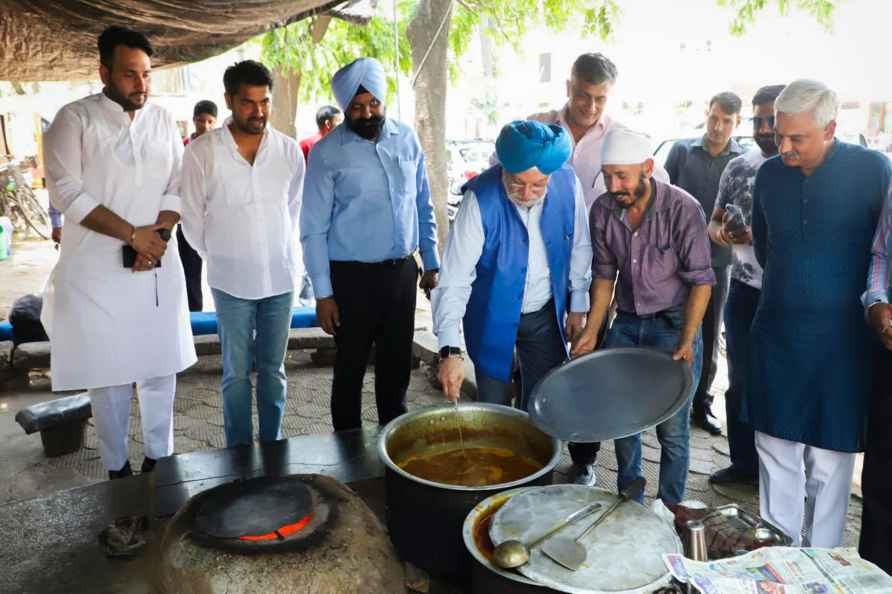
pixel 450 351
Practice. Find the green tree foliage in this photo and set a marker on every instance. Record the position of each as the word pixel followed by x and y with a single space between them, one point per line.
pixel 509 21
pixel 292 49
pixel 747 10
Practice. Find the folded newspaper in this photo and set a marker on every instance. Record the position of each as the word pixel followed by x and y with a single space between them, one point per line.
pixel 783 570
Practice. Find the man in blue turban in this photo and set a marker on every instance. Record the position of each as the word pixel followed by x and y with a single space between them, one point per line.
pixel 366 211
pixel 516 269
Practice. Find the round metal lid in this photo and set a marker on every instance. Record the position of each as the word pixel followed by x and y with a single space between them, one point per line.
pixel 609 394
pixel 624 553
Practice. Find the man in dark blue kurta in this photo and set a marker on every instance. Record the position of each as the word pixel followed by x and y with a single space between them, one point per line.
pixel 814 212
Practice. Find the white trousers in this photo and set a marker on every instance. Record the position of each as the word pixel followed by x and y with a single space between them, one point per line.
pixel 111 415
pixel 804 490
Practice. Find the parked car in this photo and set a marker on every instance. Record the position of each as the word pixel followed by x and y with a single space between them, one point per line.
pixel 467 159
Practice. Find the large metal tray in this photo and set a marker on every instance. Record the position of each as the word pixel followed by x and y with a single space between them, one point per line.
pixel 624 553
pixel 609 394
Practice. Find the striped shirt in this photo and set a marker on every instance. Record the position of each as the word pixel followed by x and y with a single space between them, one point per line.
pixel 881 252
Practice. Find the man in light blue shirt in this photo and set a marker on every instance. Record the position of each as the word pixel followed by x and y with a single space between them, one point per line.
pixel 367 209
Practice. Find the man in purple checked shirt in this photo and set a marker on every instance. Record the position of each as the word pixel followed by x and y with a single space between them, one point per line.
pixel 653 235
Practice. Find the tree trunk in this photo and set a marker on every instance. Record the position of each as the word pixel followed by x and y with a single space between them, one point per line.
pixel 286 89
pixel 430 98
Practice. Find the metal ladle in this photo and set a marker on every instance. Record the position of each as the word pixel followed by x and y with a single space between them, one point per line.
pixel 571 553
pixel 514 553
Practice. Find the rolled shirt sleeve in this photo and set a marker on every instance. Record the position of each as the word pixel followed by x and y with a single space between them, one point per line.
pixel 604 263
pixel 63 153
pixel 427 222
pixel 459 269
pixel 580 256
pixel 694 256
pixel 315 221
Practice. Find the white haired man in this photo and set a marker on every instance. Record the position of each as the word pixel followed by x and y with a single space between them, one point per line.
pixel 814 213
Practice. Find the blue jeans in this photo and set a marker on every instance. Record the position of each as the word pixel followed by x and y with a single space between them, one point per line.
pixel 253 330
pixel 540 348
pixel 660 333
pixel 739 312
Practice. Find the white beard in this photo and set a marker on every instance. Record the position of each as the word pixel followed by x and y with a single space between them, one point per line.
pixel 528 203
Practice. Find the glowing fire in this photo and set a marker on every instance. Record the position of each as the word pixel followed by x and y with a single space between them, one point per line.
pixel 281 532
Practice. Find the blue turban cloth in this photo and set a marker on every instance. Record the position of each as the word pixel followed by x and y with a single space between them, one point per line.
pixel 365 72
pixel 523 144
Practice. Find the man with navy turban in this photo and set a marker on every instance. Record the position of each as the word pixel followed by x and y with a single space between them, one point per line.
pixel 516 266
pixel 367 210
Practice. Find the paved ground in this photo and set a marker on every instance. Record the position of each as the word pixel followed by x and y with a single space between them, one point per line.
pixel 25 472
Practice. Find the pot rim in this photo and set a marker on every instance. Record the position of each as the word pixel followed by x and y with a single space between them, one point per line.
pixel 403 419
pixel 468 538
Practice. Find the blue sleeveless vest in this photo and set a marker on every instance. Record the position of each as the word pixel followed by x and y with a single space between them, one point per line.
pixel 493 313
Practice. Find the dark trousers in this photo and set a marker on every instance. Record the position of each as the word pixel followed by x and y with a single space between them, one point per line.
pixel 540 349
pixel 192 269
pixel 712 322
pixel 586 453
pixel 377 306
pixel 739 312
pixel 876 478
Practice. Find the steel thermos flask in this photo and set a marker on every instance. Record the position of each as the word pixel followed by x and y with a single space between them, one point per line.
pixel 696 541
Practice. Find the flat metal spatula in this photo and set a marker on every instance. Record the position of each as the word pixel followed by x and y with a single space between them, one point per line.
pixel 571 553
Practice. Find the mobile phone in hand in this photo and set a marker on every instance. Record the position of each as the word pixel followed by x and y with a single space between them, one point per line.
pixel 129 255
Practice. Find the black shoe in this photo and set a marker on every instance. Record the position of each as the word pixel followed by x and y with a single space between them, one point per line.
pixel 119 474
pixel 706 420
pixel 732 474
pixel 148 464
pixel 583 474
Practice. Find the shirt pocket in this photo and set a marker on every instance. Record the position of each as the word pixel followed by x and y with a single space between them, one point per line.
pixel 407 172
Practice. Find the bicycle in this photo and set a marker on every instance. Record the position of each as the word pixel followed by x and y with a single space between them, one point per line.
pixel 20 204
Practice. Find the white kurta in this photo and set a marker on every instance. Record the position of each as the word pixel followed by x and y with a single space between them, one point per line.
pixel 108 325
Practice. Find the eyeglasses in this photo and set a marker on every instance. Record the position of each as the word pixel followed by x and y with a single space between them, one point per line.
pixel 516 187
pixel 759 120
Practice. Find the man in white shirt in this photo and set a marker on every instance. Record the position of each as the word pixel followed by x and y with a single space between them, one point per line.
pixel 115 305
pixel 515 271
pixel 588 89
pixel 242 186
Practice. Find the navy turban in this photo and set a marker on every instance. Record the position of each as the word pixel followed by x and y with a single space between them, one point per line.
pixel 365 72
pixel 523 144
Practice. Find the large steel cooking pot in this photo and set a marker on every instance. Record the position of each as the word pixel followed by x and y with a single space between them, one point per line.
pixel 425 517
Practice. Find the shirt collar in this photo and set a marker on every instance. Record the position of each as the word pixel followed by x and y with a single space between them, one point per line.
pixel 116 108
pixel 658 196
pixel 347 135
pixel 230 140
pixel 731 147
pixel 596 131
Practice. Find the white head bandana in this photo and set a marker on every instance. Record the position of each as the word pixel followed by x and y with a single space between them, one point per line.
pixel 623 146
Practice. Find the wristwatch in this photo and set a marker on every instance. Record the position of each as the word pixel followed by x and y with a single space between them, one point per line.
pixel 450 351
